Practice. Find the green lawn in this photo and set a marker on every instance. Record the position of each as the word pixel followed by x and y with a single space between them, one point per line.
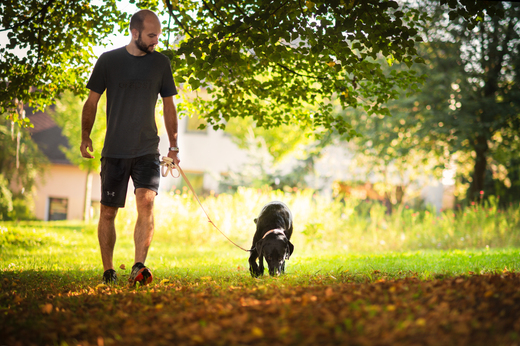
pixel 357 276
pixel 72 247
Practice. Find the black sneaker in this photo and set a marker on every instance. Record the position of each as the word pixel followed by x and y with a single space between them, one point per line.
pixel 140 274
pixel 110 277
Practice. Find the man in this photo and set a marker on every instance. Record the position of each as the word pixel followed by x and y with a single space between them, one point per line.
pixel 133 76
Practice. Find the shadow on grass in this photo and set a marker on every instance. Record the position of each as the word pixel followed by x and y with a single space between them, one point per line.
pixel 71 308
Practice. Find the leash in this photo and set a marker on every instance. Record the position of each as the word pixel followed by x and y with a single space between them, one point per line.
pixel 273 231
pixel 170 166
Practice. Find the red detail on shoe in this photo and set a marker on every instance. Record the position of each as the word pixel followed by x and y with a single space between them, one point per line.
pixel 141 277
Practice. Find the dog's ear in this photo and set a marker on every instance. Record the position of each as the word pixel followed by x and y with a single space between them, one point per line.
pixel 258 247
pixel 289 251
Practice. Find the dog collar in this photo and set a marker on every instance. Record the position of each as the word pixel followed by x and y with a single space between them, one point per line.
pixel 272 231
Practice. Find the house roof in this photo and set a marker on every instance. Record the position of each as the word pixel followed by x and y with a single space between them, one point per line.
pixel 47 135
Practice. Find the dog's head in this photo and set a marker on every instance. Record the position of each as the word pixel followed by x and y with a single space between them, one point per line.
pixel 275 248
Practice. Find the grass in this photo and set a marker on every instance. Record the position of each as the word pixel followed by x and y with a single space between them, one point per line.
pixel 357 274
pixel 331 238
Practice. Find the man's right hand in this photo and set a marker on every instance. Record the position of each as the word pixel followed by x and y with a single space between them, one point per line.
pixel 174 155
pixel 86 146
pixel 88 116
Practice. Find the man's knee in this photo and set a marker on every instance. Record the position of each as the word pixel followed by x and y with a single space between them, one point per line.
pixel 145 198
pixel 107 213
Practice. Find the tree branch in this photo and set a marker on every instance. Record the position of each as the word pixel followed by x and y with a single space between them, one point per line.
pixel 212 13
pixel 179 23
pixel 299 74
pixel 44 8
pixel 44 12
pixel 239 8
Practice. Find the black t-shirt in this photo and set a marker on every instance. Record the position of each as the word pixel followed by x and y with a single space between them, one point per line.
pixel 132 84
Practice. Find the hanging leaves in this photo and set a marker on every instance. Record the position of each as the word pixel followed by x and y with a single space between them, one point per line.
pixel 293 61
pixel 50 48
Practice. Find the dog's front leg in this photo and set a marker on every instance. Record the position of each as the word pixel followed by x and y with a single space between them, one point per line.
pixel 261 265
pixel 253 267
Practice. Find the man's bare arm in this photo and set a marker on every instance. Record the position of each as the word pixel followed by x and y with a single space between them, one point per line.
pixel 171 123
pixel 88 116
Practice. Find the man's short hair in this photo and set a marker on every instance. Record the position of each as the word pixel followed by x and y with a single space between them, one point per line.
pixel 137 20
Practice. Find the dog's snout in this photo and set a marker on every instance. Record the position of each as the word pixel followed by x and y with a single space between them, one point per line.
pixel 276 269
pixel 275 272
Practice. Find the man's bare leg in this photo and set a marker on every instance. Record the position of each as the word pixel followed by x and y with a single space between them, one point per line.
pixel 144 227
pixel 107 235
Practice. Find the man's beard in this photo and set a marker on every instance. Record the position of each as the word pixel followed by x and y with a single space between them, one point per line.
pixel 143 47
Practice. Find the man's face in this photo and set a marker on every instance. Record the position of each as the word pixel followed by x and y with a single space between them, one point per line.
pixel 149 37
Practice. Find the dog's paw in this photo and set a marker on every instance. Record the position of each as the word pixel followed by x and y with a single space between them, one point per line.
pixel 256 272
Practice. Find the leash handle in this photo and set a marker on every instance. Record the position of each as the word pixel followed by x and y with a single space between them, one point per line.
pixel 168 164
pixel 171 166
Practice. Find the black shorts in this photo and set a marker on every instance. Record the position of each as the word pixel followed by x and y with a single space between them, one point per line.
pixel 115 173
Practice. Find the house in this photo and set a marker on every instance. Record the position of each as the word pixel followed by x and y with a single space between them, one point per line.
pixel 335 170
pixel 60 192
pixel 204 154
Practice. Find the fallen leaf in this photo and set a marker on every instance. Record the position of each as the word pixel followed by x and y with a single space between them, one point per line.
pixel 197 338
pixel 329 292
pixel 47 308
pixel 122 266
pixel 420 322
pixel 257 332
pixel 164 281
pixel 284 330
pixel 101 286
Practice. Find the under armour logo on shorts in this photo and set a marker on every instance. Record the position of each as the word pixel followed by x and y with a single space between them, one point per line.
pixel 111 193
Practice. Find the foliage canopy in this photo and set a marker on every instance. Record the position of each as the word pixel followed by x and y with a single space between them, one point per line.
pixel 50 49
pixel 278 62
pixel 284 62
pixel 468 112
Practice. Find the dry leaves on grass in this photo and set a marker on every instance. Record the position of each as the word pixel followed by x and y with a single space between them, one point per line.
pixel 476 310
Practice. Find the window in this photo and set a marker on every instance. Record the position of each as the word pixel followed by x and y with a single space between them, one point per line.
pixel 192 125
pixel 57 208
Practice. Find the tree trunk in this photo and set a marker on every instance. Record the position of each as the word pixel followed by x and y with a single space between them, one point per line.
pixel 479 170
pixel 88 196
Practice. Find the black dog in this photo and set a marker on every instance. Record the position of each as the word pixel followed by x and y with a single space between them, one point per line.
pixel 273 231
